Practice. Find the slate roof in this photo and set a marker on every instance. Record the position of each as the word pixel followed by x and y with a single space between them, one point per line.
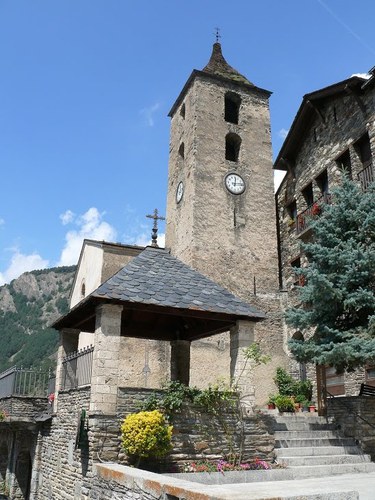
pixel 155 277
pixel 217 65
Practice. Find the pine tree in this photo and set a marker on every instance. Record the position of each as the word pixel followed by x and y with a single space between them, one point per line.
pixel 337 304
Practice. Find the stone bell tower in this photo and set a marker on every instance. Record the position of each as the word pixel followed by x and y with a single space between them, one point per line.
pixel 220 207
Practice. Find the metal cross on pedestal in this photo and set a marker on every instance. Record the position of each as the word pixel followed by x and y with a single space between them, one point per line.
pixel 217 35
pixel 154 235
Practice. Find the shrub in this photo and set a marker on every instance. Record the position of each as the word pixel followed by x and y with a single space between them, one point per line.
pixel 284 403
pixel 146 435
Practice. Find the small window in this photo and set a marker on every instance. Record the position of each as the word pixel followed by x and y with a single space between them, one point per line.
pixel 182 110
pixel 335 382
pixel 308 194
pixel 322 181
pixel 232 147
pixel 364 150
pixel 83 289
pixel 181 150
pixel 344 164
pixel 292 211
pixel 299 279
pixel 232 107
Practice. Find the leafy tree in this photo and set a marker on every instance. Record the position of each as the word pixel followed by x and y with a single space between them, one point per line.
pixel 337 310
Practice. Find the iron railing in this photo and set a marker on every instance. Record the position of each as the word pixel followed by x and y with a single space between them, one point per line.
pixel 76 369
pixel 343 404
pixel 19 381
pixel 366 177
pixel 304 218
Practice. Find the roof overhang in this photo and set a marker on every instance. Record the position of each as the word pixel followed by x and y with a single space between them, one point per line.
pixel 307 112
pixel 152 321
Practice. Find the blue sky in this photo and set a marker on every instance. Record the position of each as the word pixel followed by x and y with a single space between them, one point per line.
pixel 86 86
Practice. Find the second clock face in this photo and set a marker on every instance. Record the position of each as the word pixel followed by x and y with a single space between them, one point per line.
pixel 179 192
pixel 234 183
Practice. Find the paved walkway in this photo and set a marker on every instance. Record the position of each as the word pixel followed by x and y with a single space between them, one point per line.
pixel 364 484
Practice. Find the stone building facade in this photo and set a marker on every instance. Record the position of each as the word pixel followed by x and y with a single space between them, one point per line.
pixel 333 134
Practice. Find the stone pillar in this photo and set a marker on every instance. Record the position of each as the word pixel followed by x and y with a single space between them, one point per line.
pixel 105 365
pixel 241 370
pixel 180 361
pixel 68 344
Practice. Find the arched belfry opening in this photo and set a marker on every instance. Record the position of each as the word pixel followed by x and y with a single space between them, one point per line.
pixel 232 103
pixel 232 146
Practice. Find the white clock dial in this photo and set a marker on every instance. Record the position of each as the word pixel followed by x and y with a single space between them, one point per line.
pixel 234 183
pixel 179 191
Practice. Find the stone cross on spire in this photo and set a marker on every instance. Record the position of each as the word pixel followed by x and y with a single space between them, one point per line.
pixel 154 234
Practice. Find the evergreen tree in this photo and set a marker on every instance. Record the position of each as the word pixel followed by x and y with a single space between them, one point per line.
pixel 337 309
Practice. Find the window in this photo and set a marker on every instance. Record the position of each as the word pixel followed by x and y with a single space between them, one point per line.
pixel 299 279
pixel 334 382
pixel 322 181
pixel 181 150
pixel 182 110
pixel 344 164
pixel 308 194
pixel 232 147
pixel 83 289
pixel 366 176
pixel 364 150
pixel 232 107
pixel 370 375
pixel 292 211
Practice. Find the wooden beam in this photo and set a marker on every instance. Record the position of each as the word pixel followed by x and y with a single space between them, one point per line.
pixel 317 111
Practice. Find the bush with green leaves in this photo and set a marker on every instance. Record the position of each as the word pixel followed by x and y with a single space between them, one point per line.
pixel 285 403
pixel 146 435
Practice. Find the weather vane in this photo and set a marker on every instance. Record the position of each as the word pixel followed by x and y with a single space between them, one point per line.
pixel 154 235
pixel 217 35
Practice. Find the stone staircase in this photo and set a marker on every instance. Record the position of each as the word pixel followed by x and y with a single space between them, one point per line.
pixel 310 447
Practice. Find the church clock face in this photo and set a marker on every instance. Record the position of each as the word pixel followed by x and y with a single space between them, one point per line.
pixel 179 191
pixel 234 183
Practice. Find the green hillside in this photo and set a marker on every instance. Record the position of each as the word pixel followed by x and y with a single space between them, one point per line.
pixel 28 305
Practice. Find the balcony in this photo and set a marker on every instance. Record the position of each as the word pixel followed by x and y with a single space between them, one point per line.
pixel 366 176
pixel 76 369
pixel 305 218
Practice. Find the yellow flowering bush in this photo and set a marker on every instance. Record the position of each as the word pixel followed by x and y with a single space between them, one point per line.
pixel 146 434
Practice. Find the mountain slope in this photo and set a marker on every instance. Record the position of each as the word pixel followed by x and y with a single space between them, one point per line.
pixel 28 305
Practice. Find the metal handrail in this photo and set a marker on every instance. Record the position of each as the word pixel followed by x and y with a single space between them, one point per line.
pixel 332 396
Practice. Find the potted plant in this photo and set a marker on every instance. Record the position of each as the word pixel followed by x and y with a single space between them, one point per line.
pixel 312 407
pixel 271 401
pixel 285 403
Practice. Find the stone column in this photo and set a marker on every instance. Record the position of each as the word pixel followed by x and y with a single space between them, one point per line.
pixel 180 361
pixel 105 365
pixel 241 370
pixel 68 344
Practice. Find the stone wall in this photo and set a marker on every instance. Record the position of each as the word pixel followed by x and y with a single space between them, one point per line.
pixel 23 407
pixel 203 436
pixel 355 417
pixel 62 468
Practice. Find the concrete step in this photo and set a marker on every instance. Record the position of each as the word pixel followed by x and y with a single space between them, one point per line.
pixel 313 442
pixel 331 470
pixel 316 434
pixel 303 425
pixel 323 460
pixel 310 451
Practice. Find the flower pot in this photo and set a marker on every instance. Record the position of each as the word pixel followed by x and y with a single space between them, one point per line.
pixel 312 409
pixel 271 406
